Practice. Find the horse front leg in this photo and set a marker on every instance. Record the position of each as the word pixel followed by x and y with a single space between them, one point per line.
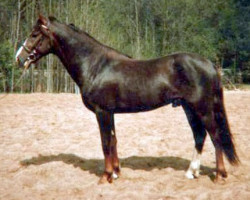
pixel 107 131
pixel 115 159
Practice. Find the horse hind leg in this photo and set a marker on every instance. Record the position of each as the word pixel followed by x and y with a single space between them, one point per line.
pixel 199 134
pixel 216 124
pixel 194 167
pixel 214 132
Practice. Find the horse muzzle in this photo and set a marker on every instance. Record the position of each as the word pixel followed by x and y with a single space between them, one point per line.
pixel 26 62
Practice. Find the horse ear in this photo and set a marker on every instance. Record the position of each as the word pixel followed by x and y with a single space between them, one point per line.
pixel 43 20
pixel 43 23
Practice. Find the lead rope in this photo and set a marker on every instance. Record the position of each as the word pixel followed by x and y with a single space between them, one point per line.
pixel 15 85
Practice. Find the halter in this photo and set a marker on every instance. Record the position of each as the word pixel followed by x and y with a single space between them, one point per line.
pixel 29 50
pixel 26 49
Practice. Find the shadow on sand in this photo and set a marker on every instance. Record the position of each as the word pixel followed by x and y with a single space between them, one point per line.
pixel 133 162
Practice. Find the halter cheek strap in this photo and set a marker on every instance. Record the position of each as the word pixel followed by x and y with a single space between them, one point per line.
pixel 28 50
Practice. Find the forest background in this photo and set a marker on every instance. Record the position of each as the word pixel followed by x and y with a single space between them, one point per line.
pixel 144 29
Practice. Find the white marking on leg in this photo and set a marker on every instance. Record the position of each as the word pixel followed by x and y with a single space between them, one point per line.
pixel 194 167
pixel 115 176
pixel 112 133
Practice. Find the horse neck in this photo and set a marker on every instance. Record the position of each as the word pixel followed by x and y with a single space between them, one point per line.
pixel 80 52
pixel 71 49
pixel 74 51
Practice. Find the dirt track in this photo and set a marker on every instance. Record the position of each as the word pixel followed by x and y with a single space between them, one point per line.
pixel 50 149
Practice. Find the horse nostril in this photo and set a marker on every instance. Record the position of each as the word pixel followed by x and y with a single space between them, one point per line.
pixel 18 61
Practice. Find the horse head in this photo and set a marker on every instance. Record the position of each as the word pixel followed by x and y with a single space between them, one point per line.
pixel 38 44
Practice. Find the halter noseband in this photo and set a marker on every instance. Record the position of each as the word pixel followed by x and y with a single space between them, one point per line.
pixel 26 49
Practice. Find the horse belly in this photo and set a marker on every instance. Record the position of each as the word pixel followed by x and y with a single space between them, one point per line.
pixel 129 94
pixel 142 100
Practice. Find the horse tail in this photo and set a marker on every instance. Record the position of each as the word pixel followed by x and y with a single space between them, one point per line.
pixel 225 138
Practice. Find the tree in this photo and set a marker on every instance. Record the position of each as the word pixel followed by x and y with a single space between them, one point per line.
pixel 143 29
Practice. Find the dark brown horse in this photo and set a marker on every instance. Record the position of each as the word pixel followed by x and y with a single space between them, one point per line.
pixel 111 82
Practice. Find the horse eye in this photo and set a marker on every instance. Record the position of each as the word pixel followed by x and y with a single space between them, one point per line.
pixel 33 35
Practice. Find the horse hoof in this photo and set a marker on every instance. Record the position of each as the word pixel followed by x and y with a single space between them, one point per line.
pixel 102 181
pixel 116 172
pixel 220 180
pixel 221 177
pixel 106 178
pixel 115 175
pixel 191 174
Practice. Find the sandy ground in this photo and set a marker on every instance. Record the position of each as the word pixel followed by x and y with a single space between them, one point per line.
pixel 50 149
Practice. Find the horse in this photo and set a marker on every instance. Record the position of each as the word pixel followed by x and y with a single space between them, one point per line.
pixel 111 82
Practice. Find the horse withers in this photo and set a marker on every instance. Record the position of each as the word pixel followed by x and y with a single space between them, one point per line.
pixel 111 82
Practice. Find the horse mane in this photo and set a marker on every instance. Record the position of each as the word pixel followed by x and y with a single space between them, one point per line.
pixel 52 18
pixel 76 29
pixel 73 27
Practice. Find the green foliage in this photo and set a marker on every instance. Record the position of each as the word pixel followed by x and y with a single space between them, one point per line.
pixel 164 27
pixel 6 64
pixel 143 29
